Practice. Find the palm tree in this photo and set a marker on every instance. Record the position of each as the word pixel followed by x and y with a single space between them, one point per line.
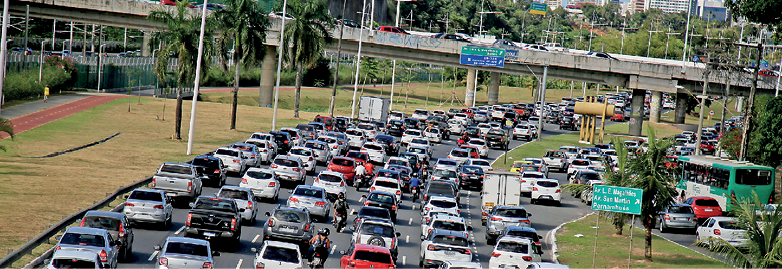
pixel 307 34
pixel 763 249
pixel 242 23
pixel 181 41
pixel 6 126
pixel 649 173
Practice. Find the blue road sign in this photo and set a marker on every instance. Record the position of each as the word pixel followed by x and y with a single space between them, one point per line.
pixel 511 54
pixel 482 60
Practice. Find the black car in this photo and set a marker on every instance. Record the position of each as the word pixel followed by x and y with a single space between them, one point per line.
pixel 568 123
pixel 411 123
pixel 371 212
pixel 454 37
pixel 412 158
pixel 283 140
pixel 348 23
pixel 384 200
pixel 471 177
pixel 438 187
pixel 391 145
pixel 395 127
pixel 341 124
pixel 473 132
pixel 404 174
pixel 212 167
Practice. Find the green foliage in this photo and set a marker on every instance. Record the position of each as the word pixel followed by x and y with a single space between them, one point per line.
pixel 21 85
pixel 6 127
pixel 758 11
pixel 731 143
pixel 766 139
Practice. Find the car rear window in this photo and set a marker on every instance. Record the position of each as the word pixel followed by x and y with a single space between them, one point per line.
pixel 473 170
pixel 377 229
pixel 448 225
pixel 514 247
pixel 382 198
pixel 480 163
pixel 289 216
pixel 397 162
pixel 590 176
pixel 329 178
pixel 234 194
pixel 105 223
pixel 187 249
pixel 374 212
pixel 580 162
pixel 511 213
pixel 443 204
pixel 317 146
pixel 286 162
pixel 386 184
pixel 547 184
pixel 175 169
pixel 375 257
pixel 444 173
pixel 460 153
pixel 730 225
pixel 72 263
pixel 707 202
pixel 354 132
pixel 259 175
pixel 441 189
pixel 680 209
pixel 412 132
pixel 309 192
pixel 146 196
pixel 450 240
pixel 300 152
pixel 281 254
pixel 215 204
pixel 342 162
pixel 210 163
pixel 446 162
pixel 373 147
pixel 524 234
pixel 366 127
pixel 227 152
pixel 477 143
pixel 92 240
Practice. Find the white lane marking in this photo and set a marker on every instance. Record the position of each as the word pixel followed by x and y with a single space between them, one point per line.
pixel 352 211
pixel 404 260
pixel 413 207
pixel 361 199
pixel 407 239
pixel 180 230
pixel 256 237
pixel 151 257
pixel 333 247
pixel 239 264
pixel 410 222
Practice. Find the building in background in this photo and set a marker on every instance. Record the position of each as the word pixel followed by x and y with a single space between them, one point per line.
pixel 636 6
pixel 670 6
pixel 553 4
pixel 712 10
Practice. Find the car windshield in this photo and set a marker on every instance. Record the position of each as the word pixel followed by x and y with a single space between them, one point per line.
pixel 680 209
pixel 443 204
pixel 309 192
pixel 377 229
pixel 281 254
pixel 450 240
pixel 289 216
pixel 187 249
pixel 72 263
pixel 381 198
pixel 386 184
pixel 511 213
pixel 397 162
pixel 448 225
pixel 205 162
pixel 329 178
pixel 707 202
pixel 301 152
pixel 234 194
pixel 146 196
pixel 317 146
pixel 374 212
pixel 286 162
pixel 514 247
pixel 92 240
pixel 375 257
pixel 444 173
pixel 342 162
pixel 259 175
pixel 547 184
pixel 373 147
pixel 215 204
pixel 105 223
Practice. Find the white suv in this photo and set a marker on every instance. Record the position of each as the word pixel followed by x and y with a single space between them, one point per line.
pixel 411 134
pixel 376 152
pixel 355 137
pixel 445 222
pixel 377 232
pixel 546 189
pixel 508 249
pixel 263 182
pixel 278 254
pixel 444 245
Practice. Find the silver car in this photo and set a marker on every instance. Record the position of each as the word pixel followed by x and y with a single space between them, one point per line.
pixel 370 130
pixel 334 145
pixel 311 198
pixel 233 159
pixel 355 137
pixel 306 156
pixel 503 216
pixel 677 216
pixel 73 259
pixel 147 205
pixel 183 252
pixel 286 223
pixel 250 153
pixel 289 169
pixel 320 149
pixel 94 240
pixel 243 198
pixel 265 137
pixel 265 149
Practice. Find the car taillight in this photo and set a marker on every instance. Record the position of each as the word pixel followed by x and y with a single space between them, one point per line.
pixel 320 204
pixel 293 199
pixel 272 184
pixel 427 219
pixel 189 216
pixel 207 265
pixel 495 218
pixel 372 189
pixel 103 256
pixel 271 222
pixel 154 182
pixel 285 142
pixel 465 251
pixel 158 207
pixel 236 161
pixel 249 205
pixel 667 217
pixel 430 247
pixel 162 261
pixel 717 232
pixel 393 207
pixel 495 254
pixel 427 208
pixel 233 224
pixel 244 181
pixel 335 146
pixel 311 159
pixel 121 230
pixel 264 150
pixel 252 156
pixel 523 181
pixel 524 221
pixel 526 258
pixel 534 188
pixel 273 166
pixel 260 266
pixel 366 203
pixel 307 227
pixel 189 186
pixel 398 192
pixel 429 231
pixel 342 183
pixel 296 169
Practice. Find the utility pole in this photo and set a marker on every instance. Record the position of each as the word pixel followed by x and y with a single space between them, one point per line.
pixel 624 26
pixel 702 97
pixel 686 33
pixel 26 30
pixel 667 38
pixel 649 45
pixel 748 118
pixel 339 51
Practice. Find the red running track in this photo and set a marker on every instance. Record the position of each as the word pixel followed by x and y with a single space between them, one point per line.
pixel 35 119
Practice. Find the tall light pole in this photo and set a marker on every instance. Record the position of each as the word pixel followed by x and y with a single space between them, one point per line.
pixel 100 64
pixel 480 29
pixel 196 86
pixel 40 69
pixel 279 64
pixel 4 46
pixel 339 53
pixel 686 33
pixel 667 38
pixel 624 26
pixel 358 61
pixel 393 69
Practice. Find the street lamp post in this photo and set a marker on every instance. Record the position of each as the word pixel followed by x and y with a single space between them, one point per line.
pixel 358 61
pixel 393 69
pixel 40 69
pixel 100 64
pixel 4 46
pixel 686 33
pixel 279 64
pixel 191 131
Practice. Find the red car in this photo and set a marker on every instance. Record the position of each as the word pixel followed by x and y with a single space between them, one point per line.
pixel 344 165
pixel 767 73
pixel 327 121
pixel 707 147
pixel 392 29
pixel 366 256
pixel 618 117
pixel 704 207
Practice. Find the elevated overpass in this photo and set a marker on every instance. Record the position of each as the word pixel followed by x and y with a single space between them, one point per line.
pixel 631 72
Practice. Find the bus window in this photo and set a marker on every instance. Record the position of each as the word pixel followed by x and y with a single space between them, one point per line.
pixel 753 177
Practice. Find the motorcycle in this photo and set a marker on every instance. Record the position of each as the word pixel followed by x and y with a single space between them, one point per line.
pixel 359 182
pixel 317 261
pixel 414 193
pixel 339 222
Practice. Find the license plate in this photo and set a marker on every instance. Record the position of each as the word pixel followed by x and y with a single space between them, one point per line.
pixel 209 234
pixel 708 210
pixel 450 253
pixel 287 230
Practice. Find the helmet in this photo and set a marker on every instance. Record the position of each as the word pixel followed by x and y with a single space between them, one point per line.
pixel 341 195
pixel 324 231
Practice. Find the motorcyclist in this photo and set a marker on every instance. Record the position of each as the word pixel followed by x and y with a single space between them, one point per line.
pixel 360 174
pixel 341 207
pixel 321 244
pixel 370 168
pixel 414 183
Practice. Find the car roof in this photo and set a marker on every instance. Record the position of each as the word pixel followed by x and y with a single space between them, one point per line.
pixel 280 244
pixel 235 188
pixel 309 187
pixel 372 248
pixel 515 239
pixel 382 192
pixel 187 240
pixel 436 232
pixel 86 230
pixel 521 228
pixel 107 214
pixel 332 173
pixel 547 180
pixel 510 207
pixel 442 198
pixel 260 169
pixel 150 190
pixel 372 208
pixel 69 254
pixel 448 217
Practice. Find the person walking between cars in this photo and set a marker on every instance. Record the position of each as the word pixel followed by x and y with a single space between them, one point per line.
pixel 46 94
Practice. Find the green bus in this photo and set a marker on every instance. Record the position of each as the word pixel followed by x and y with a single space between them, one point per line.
pixel 721 178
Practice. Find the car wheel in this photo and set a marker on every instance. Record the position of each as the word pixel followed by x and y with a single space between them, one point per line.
pixel 663 229
pixel 421 262
pixel 376 241
pixel 167 223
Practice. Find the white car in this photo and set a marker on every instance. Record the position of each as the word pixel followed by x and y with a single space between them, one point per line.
pixel 446 222
pixel 433 135
pixel 523 131
pixel 441 204
pixel 243 198
pixel 306 157
pixel 411 134
pixel 370 230
pixel 570 152
pixel 463 117
pixel 276 254
pixel 546 190
pixel 480 116
pixel 422 152
pixel 388 185
pixel 539 162
pixel 669 104
pixel 263 182
pixel 426 220
pixel 265 137
pixel 576 165
pixel 396 115
pixel 513 251
pixel 456 126
pixel 444 245
pixel 483 128
pixel 725 228
pixel 356 138
pixel 460 265
pixel 421 114
pixel 421 142
pixel 459 155
pixel 232 158
pixel 483 164
pixel 376 152
pixel 370 130
pixel 332 182
pixel 334 145
pixel 528 179
pixel 397 161
pixel 265 149
pixel 483 149
pixel 74 259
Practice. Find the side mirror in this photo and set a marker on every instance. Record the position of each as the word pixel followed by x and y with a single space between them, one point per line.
pixel 254 250
pixel 157 247
pixel 215 194
pixel 469 228
pixel 46 261
pixel 398 234
pixel 343 252
pixel 126 196
pixel 58 237
pixel 423 237
pixel 118 242
pixel 215 253
pixel 267 214
pixel 290 191
pixel 364 196
pixel 529 214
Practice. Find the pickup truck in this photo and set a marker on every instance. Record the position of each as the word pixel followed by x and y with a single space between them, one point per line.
pixel 497 139
pixel 212 217
pixel 555 159
pixel 180 181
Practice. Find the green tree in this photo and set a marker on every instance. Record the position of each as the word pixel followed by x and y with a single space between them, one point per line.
pixel 243 23
pixel 766 140
pixel 307 36
pixel 6 127
pixel 758 11
pixel 181 41
pixel 763 248
pixel 650 174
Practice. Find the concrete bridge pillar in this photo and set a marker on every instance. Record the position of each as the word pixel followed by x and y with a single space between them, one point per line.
pixel 268 67
pixel 494 88
pixel 637 116
pixel 654 107
pixel 740 104
pixel 681 108
pixel 469 92
pixel 145 45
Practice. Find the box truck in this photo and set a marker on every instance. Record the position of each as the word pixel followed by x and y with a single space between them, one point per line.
pixel 500 188
pixel 373 108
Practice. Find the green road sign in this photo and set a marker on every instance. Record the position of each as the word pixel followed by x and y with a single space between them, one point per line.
pixel 538 8
pixel 617 199
pixel 481 51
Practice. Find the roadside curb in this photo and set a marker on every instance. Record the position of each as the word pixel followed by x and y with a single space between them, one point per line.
pixel 553 236
pixel 498 157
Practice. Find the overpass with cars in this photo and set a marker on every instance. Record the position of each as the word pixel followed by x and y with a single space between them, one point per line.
pixel 637 73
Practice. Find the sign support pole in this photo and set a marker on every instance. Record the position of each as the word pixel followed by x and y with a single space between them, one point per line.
pixel 630 253
pixel 597 228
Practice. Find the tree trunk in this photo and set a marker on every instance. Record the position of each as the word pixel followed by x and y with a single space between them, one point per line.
pixel 648 224
pixel 235 101
pixel 178 120
pixel 299 71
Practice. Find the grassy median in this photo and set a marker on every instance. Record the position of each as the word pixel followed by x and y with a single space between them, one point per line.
pixel 576 242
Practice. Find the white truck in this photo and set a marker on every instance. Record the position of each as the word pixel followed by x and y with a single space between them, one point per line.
pixel 500 188
pixel 373 108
